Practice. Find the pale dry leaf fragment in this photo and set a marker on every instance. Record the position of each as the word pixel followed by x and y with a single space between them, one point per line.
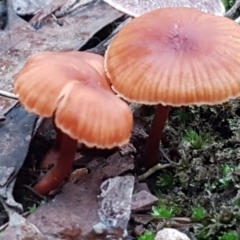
pixel 78 175
pixel 24 7
pixel 171 234
pixel 137 8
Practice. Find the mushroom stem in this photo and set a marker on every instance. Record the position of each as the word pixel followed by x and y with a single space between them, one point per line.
pixel 155 135
pixel 62 168
pixel 52 155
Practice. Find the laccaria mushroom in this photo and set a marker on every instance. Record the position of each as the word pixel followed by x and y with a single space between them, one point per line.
pixel 72 88
pixel 175 57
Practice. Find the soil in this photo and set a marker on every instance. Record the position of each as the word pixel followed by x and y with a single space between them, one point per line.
pixel 195 177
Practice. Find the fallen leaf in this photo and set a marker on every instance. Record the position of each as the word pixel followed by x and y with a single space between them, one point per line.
pixel 78 175
pixel 137 8
pixel 16 133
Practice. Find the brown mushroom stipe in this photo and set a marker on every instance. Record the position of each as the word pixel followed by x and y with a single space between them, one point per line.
pixel 52 155
pixel 175 57
pixel 61 169
pixel 72 88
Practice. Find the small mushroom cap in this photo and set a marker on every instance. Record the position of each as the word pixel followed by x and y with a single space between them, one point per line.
pixel 72 87
pixel 137 8
pixel 44 75
pixel 176 56
pixel 109 119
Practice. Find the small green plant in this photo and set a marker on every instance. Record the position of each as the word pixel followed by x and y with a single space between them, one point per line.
pixel 183 115
pixel 212 186
pixel 202 234
pixel 165 180
pixel 34 207
pixel 148 235
pixel 231 235
pixel 226 169
pixel 163 211
pixel 224 182
pixel 227 176
pixel 197 141
pixel 228 3
pixel 198 213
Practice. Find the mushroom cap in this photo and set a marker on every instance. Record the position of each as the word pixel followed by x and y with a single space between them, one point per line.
pixel 137 8
pixel 72 87
pixel 41 80
pixel 177 57
pixel 87 114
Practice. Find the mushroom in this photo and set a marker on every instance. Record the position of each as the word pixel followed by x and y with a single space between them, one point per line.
pixel 174 57
pixel 137 8
pixel 72 88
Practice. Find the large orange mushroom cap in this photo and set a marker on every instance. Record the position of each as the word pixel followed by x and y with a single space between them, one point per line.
pixel 72 87
pixel 176 56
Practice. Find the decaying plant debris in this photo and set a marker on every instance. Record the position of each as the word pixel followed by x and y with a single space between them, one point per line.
pixel 194 188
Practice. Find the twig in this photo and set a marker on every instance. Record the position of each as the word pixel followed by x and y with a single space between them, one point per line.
pixel 8 94
pixel 174 223
pixel 152 170
pixel 2 117
pixel 36 193
pixel 166 156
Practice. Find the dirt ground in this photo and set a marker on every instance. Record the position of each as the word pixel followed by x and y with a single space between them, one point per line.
pixel 197 191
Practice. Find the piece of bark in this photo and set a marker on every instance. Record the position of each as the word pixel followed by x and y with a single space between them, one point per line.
pixel 141 186
pixel 128 149
pixel 142 201
pixel 142 218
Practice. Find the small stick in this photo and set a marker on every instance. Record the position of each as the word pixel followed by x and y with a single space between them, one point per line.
pixel 8 94
pixel 166 156
pixel 152 170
